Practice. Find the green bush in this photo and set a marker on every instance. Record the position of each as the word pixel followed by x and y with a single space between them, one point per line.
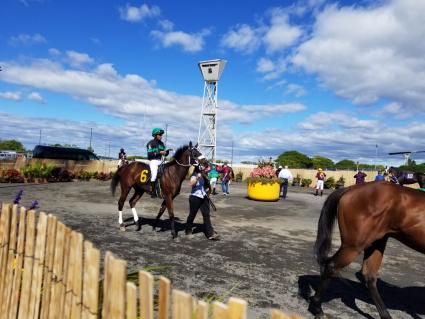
pixel 306 182
pixel 330 183
pixel 84 176
pixel 297 180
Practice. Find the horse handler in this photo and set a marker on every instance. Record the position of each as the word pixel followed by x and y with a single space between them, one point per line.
pixel 198 199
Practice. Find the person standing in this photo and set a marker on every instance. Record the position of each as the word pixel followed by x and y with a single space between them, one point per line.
pixel 213 176
pixel 379 177
pixel 225 179
pixel 285 176
pixel 156 149
pixel 198 199
pixel 278 170
pixel 320 175
pixel 360 177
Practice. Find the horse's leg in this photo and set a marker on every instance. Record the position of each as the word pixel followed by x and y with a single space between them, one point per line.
pixel 343 257
pixel 124 193
pixel 133 201
pixel 170 208
pixel 158 217
pixel 372 261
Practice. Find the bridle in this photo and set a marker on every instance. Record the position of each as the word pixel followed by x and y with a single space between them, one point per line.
pixel 196 159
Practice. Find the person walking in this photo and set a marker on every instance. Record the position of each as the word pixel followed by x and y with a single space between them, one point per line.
pixel 225 179
pixel 360 177
pixel 320 175
pixel 198 199
pixel 285 176
pixel 213 176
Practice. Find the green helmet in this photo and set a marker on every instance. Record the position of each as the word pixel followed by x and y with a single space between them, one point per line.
pixel 157 131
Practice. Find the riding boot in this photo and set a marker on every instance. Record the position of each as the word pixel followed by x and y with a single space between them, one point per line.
pixel 153 190
pixel 317 193
pixel 321 193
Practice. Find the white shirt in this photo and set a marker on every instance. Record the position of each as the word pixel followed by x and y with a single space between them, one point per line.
pixel 285 173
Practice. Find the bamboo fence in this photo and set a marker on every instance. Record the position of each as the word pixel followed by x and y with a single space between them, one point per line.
pixel 48 270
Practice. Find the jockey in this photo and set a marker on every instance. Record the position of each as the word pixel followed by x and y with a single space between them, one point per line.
pixel 156 149
pixel 122 158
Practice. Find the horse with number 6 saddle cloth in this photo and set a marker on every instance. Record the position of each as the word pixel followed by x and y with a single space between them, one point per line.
pixel 136 175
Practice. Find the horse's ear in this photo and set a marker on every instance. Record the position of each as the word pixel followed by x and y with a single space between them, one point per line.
pixel 196 146
pixel 190 144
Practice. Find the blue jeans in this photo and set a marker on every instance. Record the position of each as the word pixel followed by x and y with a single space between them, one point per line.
pixel 225 187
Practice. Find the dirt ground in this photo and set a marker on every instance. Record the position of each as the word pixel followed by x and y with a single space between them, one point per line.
pixel 265 255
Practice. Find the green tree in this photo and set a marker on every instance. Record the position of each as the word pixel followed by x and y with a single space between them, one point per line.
pixel 12 145
pixel 322 162
pixel 346 164
pixel 294 159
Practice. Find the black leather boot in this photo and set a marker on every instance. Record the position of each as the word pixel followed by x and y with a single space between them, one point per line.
pixel 153 188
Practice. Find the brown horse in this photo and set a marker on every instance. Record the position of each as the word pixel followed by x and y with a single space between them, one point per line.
pixel 136 175
pixel 367 216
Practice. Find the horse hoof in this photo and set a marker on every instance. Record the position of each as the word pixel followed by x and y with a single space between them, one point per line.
pixel 122 227
pixel 174 235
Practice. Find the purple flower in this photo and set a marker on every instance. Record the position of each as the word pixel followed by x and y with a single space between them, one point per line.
pixel 34 205
pixel 18 197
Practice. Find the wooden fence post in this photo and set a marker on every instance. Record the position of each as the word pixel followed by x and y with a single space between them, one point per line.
pixel 164 297
pixel 131 309
pixel 6 212
pixel 182 305
pixel 115 281
pixel 17 276
pixel 237 308
pixel 220 310
pixel 202 310
pixel 28 264
pixel 37 271
pixel 48 269
pixel 90 281
pixel 146 295
pixel 8 281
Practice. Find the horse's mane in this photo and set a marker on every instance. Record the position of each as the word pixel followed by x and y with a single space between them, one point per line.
pixel 178 154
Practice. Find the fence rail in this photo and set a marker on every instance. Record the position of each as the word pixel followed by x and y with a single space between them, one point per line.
pixel 48 270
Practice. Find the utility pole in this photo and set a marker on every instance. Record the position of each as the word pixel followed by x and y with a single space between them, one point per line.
pixel 376 155
pixel 91 133
pixel 231 161
pixel 39 139
pixel 109 152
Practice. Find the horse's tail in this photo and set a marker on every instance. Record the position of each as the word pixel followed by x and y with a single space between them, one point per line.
pixel 326 223
pixel 115 180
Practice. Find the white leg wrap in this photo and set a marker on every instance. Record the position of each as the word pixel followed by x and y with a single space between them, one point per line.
pixel 136 218
pixel 120 217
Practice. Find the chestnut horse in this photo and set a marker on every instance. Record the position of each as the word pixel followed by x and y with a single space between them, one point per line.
pixel 367 216
pixel 137 175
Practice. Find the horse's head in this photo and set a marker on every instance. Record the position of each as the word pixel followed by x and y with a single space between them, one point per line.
pixel 390 170
pixel 196 157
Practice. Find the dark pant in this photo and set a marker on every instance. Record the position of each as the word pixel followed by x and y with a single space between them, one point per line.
pixel 196 203
pixel 284 187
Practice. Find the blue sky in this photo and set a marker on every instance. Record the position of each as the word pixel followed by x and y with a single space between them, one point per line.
pixel 325 78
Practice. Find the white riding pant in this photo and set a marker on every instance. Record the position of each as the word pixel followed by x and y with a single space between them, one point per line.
pixel 154 168
pixel 320 184
pixel 213 182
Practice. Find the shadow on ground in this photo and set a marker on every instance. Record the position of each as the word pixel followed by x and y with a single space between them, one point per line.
pixel 406 299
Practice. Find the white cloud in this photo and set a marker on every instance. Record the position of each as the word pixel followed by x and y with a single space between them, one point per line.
pixel 15 96
pixel 280 34
pixel 323 120
pixel 189 42
pixel 380 58
pixel 27 39
pixel 77 59
pixel 242 38
pixel 296 89
pixel 54 52
pixel 138 14
pixel 128 96
pixel 36 97
pixel 265 65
